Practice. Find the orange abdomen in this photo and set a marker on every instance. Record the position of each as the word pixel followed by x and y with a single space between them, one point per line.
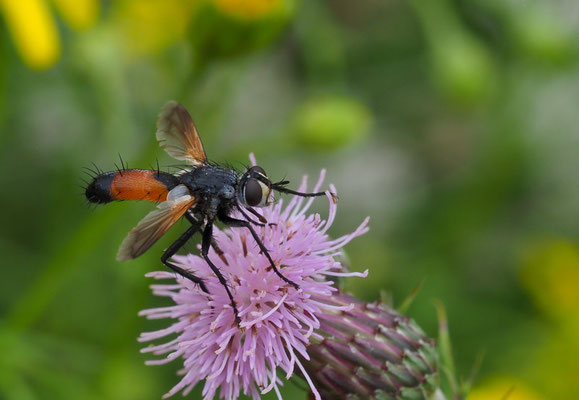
pixel 130 184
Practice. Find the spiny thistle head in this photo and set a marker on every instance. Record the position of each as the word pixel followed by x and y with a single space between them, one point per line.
pixel 277 321
pixel 370 351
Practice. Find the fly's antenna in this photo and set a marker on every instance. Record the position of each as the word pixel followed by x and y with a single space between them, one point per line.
pixel 158 168
pixel 283 182
pixel 280 187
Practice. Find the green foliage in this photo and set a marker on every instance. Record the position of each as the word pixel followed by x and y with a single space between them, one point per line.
pixel 330 123
pixel 217 33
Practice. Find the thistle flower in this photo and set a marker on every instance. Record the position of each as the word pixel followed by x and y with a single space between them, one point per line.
pixel 277 321
pixel 370 351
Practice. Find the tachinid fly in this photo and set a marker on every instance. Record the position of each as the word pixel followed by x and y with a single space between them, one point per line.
pixel 203 194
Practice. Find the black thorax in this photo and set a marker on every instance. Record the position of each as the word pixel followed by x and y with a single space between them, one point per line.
pixel 214 188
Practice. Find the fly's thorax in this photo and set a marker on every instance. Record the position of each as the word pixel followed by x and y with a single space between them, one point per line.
pixel 227 192
pixel 210 180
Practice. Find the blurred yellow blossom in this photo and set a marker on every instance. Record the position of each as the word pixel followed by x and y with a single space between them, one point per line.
pixel 503 389
pixel 78 14
pixel 555 367
pixel 550 273
pixel 34 31
pixel 229 28
pixel 152 25
pixel 248 9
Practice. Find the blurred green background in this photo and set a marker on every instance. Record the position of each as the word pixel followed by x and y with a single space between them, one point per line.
pixel 453 124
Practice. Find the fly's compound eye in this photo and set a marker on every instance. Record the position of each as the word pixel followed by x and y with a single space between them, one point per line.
pixel 256 193
pixel 258 169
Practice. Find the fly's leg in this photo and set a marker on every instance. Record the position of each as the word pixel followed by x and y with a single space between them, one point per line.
pixel 173 248
pixel 249 219
pixel 261 218
pixel 205 245
pixel 191 218
pixel 238 223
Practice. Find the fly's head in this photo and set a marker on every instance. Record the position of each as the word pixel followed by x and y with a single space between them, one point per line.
pixel 255 188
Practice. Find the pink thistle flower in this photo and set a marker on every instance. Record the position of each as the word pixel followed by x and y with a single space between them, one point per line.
pixel 277 321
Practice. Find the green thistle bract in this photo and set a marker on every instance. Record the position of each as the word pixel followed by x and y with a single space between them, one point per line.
pixel 371 351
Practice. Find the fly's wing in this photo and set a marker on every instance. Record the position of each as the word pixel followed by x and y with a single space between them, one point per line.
pixel 177 133
pixel 156 223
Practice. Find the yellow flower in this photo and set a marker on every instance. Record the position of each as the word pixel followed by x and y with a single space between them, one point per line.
pixel 248 9
pixel 503 388
pixel 152 25
pixel 551 275
pixel 230 28
pixel 79 14
pixel 34 31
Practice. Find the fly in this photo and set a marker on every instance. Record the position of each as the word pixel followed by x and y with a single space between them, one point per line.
pixel 203 194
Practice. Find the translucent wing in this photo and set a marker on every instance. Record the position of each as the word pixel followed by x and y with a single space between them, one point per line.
pixel 177 133
pixel 156 223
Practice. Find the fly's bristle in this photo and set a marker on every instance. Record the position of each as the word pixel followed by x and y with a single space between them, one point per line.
pixel 119 170
pixel 90 172
pixel 97 190
pixel 98 170
pixel 123 165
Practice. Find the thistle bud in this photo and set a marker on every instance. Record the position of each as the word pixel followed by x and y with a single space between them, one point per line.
pixel 370 351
